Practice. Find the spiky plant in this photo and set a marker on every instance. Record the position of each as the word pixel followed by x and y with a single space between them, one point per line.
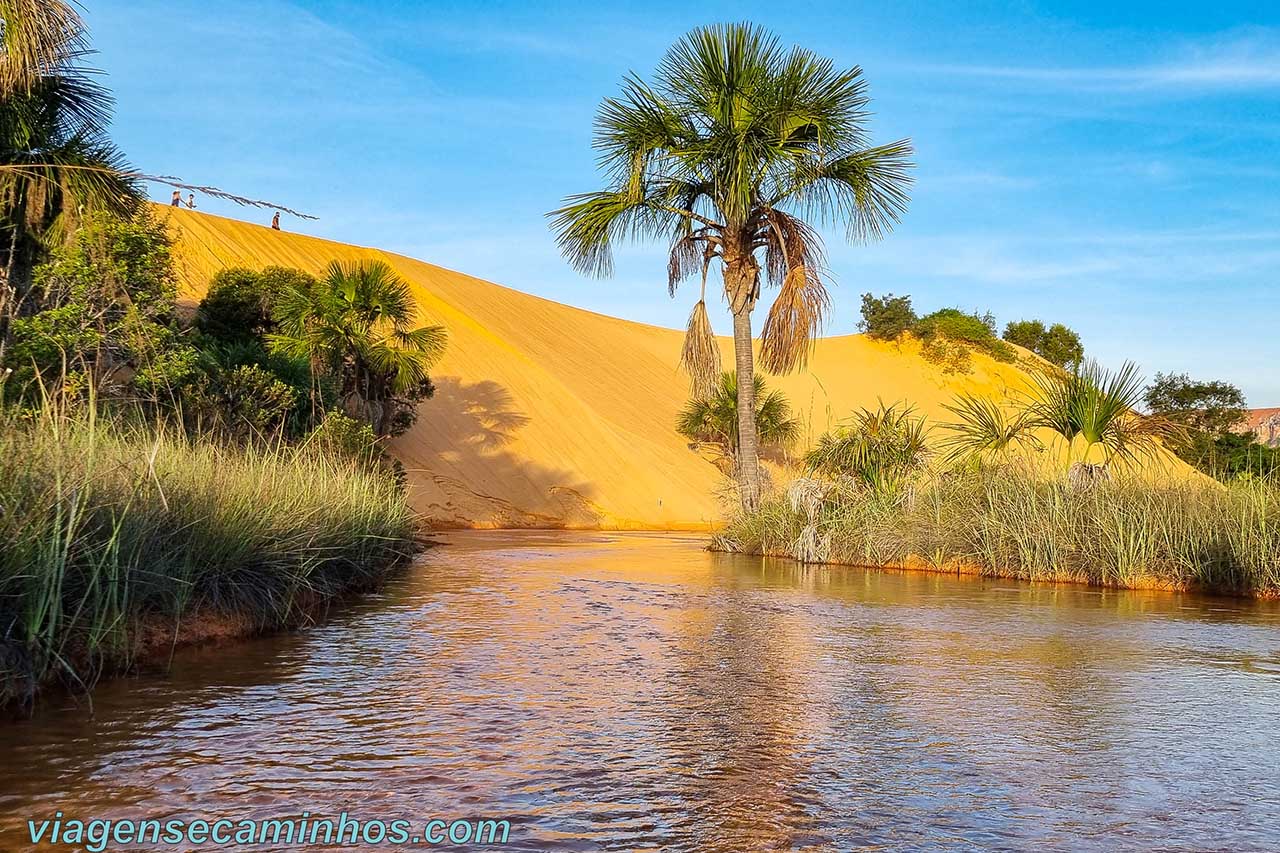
pixel 984 429
pixel 1094 407
pixel 356 323
pixel 713 419
pixel 734 142
pixel 878 448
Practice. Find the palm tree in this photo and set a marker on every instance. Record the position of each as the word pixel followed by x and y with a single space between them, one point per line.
pixel 355 324
pixel 1097 408
pixel 983 428
pixel 56 163
pixel 734 141
pixel 714 419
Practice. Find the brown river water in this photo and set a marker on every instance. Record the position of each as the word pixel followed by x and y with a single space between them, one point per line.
pixel 632 691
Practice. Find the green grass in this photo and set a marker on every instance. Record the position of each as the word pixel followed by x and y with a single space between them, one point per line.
pixel 106 529
pixel 1009 523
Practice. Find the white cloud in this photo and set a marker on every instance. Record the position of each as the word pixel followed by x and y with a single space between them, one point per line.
pixel 1242 62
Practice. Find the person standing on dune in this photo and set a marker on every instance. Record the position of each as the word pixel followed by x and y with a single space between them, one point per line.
pixel 275 221
pixel 177 199
pixel 191 201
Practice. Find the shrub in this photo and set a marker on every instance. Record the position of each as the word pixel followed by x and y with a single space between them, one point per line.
pixel 886 317
pixel 239 303
pixel 879 449
pixel 240 402
pixel 102 308
pixel 948 332
pixel 1058 345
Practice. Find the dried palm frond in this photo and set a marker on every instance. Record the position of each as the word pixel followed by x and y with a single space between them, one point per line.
pixel 700 357
pixel 794 321
pixel 793 261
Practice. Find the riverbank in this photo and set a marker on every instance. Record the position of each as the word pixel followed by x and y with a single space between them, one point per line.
pixel 1186 535
pixel 120 541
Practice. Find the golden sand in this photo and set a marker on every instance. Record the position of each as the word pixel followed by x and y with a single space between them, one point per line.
pixel 551 416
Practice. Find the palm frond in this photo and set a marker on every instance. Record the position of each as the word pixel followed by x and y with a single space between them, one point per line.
pixel 700 356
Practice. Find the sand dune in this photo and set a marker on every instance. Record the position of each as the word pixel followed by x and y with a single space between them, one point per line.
pixel 548 415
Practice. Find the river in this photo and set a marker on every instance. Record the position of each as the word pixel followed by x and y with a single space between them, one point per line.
pixel 632 691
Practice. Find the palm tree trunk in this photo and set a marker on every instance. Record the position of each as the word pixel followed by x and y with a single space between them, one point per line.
pixel 748 443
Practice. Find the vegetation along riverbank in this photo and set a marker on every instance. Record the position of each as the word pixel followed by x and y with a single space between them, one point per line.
pixel 985 494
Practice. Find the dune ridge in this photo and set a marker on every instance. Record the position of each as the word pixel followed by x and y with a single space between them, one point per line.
pixel 548 415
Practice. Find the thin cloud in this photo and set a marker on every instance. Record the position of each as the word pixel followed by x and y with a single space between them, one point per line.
pixel 1241 63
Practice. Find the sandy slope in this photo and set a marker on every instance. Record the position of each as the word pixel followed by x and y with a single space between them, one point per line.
pixel 547 415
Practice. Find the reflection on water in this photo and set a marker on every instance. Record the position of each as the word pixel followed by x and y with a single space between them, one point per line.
pixel 632 691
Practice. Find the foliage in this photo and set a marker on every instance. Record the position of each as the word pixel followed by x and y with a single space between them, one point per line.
pixel 1099 408
pixel 1003 521
pixel 103 307
pixel 948 333
pixel 1058 345
pixel 1213 407
pixel 57 165
pixel 984 430
pixel 1209 414
pixel 726 154
pixel 356 326
pixel 881 449
pixel 109 527
pixel 240 402
pixel 886 318
pixel 714 419
pixel 239 302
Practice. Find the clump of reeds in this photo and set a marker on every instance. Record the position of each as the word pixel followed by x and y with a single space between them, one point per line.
pixel 1007 520
pixel 106 526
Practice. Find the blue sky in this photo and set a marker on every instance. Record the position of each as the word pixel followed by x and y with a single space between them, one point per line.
pixel 1112 166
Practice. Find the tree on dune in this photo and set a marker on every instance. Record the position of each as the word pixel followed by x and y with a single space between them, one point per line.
pixel 729 154
pixel 356 324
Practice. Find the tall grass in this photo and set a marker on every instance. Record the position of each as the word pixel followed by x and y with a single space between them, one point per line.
pixel 107 530
pixel 1008 522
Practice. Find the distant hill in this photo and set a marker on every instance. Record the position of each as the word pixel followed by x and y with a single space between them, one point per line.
pixel 1265 423
pixel 550 416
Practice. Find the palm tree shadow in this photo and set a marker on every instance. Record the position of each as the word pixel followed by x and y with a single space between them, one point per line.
pixel 491 408
pixel 463 471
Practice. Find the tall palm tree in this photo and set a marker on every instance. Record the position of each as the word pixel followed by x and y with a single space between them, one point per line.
pixel 713 419
pixel 57 164
pixel 734 141
pixel 356 324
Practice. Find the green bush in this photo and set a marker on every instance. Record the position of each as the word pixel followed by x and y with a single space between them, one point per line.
pixel 948 332
pixel 239 302
pixel 102 309
pixel 240 402
pixel 1057 344
pixel 886 318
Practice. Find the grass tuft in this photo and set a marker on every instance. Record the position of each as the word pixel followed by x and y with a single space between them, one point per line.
pixel 107 528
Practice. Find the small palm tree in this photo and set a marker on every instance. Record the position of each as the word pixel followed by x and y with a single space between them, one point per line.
pixel 984 429
pixel 1097 408
pixel 355 324
pixel 877 448
pixel 734 142
pixel 714 419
